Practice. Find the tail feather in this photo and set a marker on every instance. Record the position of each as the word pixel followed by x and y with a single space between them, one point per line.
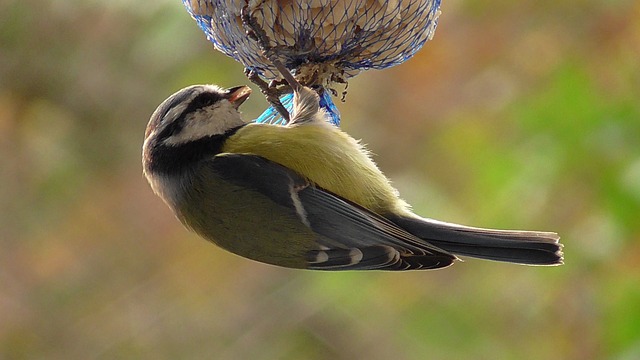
pixel 521 247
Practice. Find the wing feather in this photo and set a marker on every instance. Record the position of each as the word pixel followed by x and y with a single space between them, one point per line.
pixel 350 237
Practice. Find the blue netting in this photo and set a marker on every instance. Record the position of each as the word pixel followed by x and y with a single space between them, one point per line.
pixel 271 116
pixel 320 40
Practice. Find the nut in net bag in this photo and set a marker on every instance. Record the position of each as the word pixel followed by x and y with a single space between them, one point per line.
pixel 321 41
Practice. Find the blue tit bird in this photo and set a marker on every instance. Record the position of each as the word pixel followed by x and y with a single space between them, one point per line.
pixel 303 195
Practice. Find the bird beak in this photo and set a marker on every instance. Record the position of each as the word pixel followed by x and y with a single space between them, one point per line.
pixel 238 95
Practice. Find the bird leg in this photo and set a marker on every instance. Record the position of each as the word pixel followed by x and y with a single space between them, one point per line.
pixel 270 92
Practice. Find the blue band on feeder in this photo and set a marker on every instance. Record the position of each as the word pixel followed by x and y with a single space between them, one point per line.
pixel 271 116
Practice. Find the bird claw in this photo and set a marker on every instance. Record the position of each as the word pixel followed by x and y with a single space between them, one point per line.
pixel 271 93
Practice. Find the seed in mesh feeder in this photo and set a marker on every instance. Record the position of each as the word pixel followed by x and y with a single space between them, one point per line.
pixel 321 41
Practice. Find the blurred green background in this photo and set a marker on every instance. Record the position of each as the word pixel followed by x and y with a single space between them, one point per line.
pixel 519 114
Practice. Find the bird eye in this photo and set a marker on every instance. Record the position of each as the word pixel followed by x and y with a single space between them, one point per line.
pixel 204 100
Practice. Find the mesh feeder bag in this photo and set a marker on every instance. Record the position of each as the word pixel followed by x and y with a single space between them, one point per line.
pixel 321 41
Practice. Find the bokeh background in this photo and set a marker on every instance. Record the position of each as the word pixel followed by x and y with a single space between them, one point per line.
pixel 519 114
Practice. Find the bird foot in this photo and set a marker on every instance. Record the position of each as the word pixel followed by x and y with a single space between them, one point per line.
pixel 271 92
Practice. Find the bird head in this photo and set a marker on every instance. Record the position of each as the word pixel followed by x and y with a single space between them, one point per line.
pixel 196 112
pixel 188 122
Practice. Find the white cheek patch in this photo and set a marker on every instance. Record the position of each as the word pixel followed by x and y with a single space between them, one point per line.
pixel 213 120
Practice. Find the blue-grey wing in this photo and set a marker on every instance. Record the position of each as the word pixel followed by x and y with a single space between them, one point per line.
pixel 350 237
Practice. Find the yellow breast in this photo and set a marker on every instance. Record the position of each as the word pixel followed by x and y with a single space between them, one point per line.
pixel 326 156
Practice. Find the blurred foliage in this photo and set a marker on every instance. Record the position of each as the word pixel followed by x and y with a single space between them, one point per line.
pixel 519 114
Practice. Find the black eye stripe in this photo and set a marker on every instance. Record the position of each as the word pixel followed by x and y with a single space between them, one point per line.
pixel 202 100
pixel 198 102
